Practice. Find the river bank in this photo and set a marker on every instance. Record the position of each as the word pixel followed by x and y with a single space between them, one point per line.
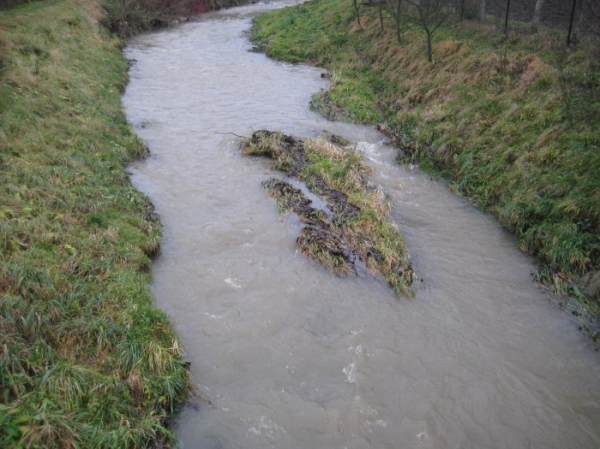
pixel 86 359
pixel 507 121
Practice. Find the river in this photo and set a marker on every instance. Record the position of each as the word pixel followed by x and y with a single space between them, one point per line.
pixel 290 356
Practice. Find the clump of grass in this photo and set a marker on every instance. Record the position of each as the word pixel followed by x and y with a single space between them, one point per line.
pixel 510 121
pixel 85 358
pixel 356 224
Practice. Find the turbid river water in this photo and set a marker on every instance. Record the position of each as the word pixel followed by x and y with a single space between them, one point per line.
pixel 292 357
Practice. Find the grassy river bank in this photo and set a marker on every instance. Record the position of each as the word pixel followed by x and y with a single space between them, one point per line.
pixel 85 358
pixel 510 121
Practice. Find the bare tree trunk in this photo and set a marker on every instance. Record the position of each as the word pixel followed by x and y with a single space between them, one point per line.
pixel 481 9
pixel 571 23
pixel 394 9
pixel 399 22
pixel 429 47
pixel 429 15
pixel 506 18
pixel 537 14
pixel 356 4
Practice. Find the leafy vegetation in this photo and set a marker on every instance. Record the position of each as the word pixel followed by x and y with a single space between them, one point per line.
pixel 85 358
pixel 510 121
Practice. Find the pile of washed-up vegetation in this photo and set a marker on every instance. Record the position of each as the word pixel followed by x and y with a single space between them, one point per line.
pixel 510 119
pixel 85 358
pixel 352 228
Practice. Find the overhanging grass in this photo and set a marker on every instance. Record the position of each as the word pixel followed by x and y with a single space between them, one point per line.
pixel 510 121
pixel 85 358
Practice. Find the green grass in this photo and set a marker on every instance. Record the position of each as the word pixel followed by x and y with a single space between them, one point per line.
pixel 511 122
pixel 85 358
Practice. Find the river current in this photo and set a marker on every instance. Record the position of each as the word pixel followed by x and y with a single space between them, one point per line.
pixel 290 356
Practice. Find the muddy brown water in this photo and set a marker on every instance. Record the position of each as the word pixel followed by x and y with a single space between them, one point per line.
pixel 291 357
